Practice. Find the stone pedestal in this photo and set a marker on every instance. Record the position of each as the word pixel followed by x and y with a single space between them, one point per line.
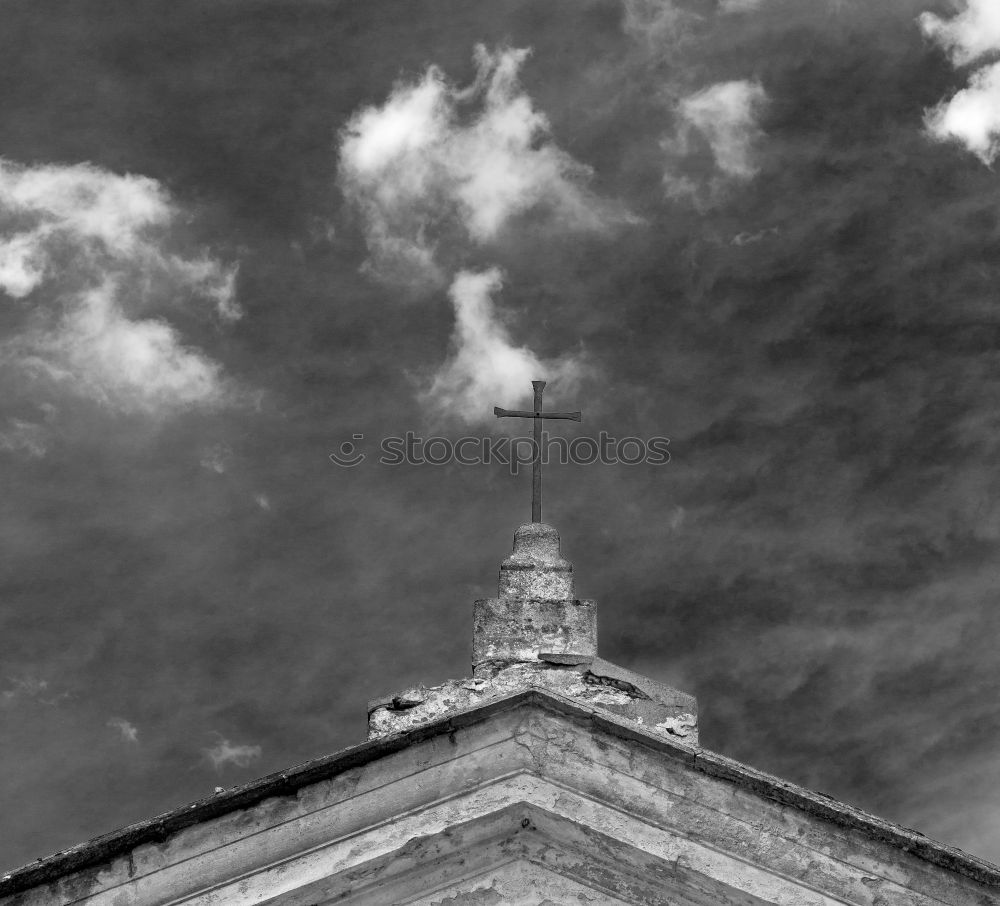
pixel 536 612
pixel 537 634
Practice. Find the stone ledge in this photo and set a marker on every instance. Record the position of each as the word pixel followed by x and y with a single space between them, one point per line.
pixel 591 682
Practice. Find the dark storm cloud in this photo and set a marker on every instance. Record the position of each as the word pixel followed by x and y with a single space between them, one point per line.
pixel 819 342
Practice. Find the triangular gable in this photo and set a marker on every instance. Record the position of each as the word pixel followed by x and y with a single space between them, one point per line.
pixel 524 791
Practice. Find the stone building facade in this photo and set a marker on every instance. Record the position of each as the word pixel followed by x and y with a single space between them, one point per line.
pixel 549 776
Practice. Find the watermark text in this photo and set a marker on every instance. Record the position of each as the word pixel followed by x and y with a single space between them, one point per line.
pixel 513 452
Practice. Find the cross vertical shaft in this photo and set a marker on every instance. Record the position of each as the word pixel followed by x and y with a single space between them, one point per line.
pixel 536 415
pixel 536 465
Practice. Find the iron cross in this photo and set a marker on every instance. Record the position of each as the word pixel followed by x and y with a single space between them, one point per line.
pixel 536 459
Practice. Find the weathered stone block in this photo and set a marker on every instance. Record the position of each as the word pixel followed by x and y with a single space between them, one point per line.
pixel 506 629
pixel 541 582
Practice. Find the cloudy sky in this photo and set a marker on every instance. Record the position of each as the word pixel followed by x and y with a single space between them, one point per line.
pixel 238 234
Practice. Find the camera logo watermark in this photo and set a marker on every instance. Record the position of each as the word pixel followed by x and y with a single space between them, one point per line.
pixel 513 452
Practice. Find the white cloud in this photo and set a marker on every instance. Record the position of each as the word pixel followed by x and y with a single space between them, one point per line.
pixel 415 168
pixel 973 33
pixel 726 115
pixel 972 116
pixel 87 250
pixel 225 753
pixel 133 365
pixel 715 140
pixel 485 368
pixel 22 267
pixel 129 732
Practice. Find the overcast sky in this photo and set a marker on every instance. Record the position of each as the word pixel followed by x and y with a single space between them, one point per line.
pixel 236 233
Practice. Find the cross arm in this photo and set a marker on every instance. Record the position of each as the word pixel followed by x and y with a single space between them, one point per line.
pixel 520 413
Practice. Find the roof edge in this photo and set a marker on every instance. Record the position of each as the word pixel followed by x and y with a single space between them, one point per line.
pixel 99 850
pixel 285 783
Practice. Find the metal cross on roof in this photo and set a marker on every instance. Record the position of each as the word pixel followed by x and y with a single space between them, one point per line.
pixel 536 459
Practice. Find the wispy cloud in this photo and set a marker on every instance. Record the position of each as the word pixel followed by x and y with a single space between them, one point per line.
pixel 128 731
pixel 713 142
pixel 435 158
pixel 25 438
pixel 972 115
pixel 86 251
pixel 748 238
pixel 225 753
pixel 970 34
pixel 722 119
pixel 30 688
pixel 739 6
pixel 24 687
pixel 132 365
pixel 216 458
pixel 656 22
pixel 485 367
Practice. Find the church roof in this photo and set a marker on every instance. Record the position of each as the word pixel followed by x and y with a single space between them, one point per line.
pixel 119 843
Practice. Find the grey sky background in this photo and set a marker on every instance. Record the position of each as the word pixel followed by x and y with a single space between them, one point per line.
pixel 235 234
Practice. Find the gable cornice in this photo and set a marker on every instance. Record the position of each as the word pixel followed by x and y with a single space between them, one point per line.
pixel 119 843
